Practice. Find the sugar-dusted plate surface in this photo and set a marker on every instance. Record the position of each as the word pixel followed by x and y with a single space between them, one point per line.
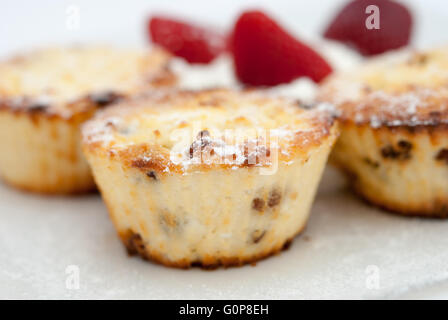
pixel 40 237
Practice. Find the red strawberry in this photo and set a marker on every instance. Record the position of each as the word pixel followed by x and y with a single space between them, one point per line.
pixel 193 43
pixel 265 54
pixel 349 26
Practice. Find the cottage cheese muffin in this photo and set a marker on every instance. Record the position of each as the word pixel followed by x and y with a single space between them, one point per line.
pixel 45 95
pixel 208 178
pixel 394 140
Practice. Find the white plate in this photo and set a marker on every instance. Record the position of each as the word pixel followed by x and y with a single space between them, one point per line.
pixel 349 250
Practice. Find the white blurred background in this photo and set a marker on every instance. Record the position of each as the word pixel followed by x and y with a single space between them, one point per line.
pixel 27 24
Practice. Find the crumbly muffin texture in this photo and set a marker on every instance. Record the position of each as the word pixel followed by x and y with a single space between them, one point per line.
pixel 45 96
pixel 394 118
pixel 182 173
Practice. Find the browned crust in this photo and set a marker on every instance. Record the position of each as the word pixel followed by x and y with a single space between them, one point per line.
pixel 393 93
pixel 413 130
pixel 39 115
pixel 431 113
pixel 86 103
pixel 145 157
pixel 323 126
pixel 161 100
pixel 135 246
pixel 83 107
pixel 414 107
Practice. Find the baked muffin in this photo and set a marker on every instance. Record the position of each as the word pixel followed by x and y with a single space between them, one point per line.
pixel 45 95
pixel 394 140
pixel 209 178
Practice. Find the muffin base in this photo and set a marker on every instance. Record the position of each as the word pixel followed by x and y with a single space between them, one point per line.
pixel 228 253
pixel 135 247
pixel 399 169
pixel 42 153
pixel 210 218
pixel 393 208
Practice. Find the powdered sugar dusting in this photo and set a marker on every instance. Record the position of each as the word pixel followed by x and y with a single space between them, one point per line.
pixel 403 88
pixel 422 106
pixel 253 128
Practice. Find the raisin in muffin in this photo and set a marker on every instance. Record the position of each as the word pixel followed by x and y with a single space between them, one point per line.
pixel 394 140
pixel 209 178
pixel 46 94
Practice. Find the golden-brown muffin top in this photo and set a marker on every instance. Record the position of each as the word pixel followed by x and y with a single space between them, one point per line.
pixel 57 78
pixel 402 89
pixel 192 130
